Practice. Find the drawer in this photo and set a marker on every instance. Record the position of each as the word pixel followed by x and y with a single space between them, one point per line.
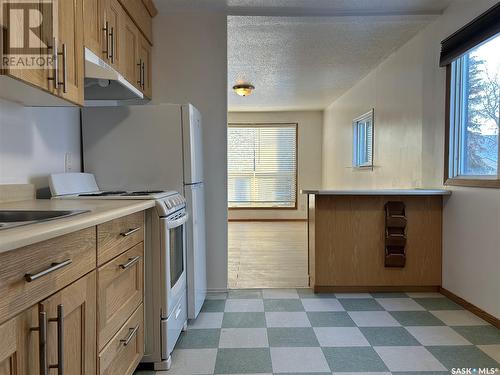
pixel 172 327
pixel 52 264
pixel 116 236
pixel 123 353
pixel 119 291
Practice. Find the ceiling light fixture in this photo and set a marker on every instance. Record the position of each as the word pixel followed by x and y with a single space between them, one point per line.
pixel 243 89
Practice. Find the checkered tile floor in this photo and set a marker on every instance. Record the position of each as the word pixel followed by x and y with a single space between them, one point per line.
pixel 292 331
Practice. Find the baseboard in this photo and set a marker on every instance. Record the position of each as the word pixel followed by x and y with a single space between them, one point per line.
pixel 374 289
pixel 472 308
pixel 264 220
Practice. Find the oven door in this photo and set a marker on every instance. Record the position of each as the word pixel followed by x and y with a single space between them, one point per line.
pixel 173 254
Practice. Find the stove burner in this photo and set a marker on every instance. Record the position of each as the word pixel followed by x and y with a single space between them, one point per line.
pixel 103 193
pixel 145 192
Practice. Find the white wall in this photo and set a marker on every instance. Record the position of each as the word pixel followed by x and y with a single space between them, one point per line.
pixel 407 91
pixel 309 135
pixel 34 141
pixel 190 65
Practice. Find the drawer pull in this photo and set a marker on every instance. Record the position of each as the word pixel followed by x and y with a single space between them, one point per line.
pixel 130 231
pixel 130 336
pixel 42 342
pixel 130 262
pixel 60 340
pixel 53 267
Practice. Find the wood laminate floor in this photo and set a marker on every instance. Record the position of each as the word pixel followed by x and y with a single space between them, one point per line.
pixel 267 255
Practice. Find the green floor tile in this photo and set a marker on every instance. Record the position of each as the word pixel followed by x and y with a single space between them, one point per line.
pixel 354 359
pixel 437 304
pixel 244 320
pixel 416 318
pixel 243 361
pixel 214 305
pixel 360 304
pixel 245 294
pixel 199 339
pixel 330 319
pixel 292 337
pixel 286 305
pixel 388 336
pixel 462 357
pixel 389 295
pixel 308 293
pixel 480 335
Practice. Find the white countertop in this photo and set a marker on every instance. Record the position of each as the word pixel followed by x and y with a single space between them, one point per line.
pixel 377 192
pixel 100 212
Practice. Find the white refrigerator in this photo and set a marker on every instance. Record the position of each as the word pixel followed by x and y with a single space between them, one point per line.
pixel 152 147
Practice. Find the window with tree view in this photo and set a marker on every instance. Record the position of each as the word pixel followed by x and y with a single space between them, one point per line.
pixel 474 113
pixel 262 165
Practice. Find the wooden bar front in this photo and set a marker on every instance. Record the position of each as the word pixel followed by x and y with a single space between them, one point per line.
pixel 347 244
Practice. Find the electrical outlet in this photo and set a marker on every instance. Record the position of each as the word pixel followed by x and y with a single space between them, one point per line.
pixel 68 167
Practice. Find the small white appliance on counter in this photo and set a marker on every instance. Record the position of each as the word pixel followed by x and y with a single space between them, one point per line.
pixel 154 147
pixel 165 302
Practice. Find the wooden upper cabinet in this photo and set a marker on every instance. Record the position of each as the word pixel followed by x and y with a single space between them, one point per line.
pixel 68 78
pixel 71 316
pixel 94 26
pixel 129 51
pixel 113 16
pixel 146 65
pixel 141 16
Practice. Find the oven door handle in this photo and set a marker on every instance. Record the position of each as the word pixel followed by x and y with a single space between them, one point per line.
pixel 177 222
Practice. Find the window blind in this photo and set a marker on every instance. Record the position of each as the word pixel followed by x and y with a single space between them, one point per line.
pixel 262 165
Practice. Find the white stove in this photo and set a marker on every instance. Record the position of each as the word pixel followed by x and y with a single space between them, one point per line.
pixel 165 301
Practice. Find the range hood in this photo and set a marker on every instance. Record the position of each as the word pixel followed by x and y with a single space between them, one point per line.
pixel 104 83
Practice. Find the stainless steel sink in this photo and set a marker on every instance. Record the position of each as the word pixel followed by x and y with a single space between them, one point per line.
pixel 15 218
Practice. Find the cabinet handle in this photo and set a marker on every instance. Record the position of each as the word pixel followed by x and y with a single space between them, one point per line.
pixel 143 75
pixel 29 277
pixel 130 262
pixel 106 36
pixel 55 64
pixel 42 342
pixel 139 82
pixel 65 68
pixel 129 232
pixel 60 340
pixel 130 336
pixel 112 49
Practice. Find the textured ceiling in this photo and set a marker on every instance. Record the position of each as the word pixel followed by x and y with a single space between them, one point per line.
pixel 307 62
pixel 305 7
pixel 302 54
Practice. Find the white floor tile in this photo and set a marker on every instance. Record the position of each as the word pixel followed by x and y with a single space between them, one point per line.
pixel 322 304
pixel 279 293
pixel 373 319
pixel 193 361
pixel 408 358
pixel 298 360
pixel 459 318
pixel 429 336
pixel 243 338
pixel 206 320
pixel 244 305
pixel 399 304
pixel 287 319
pixel 492 350
pixel 340 336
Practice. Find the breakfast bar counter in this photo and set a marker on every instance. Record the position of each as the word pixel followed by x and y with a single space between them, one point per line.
pixel 375 239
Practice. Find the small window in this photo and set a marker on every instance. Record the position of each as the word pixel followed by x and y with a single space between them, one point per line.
pixel 363 141
pixel 262 166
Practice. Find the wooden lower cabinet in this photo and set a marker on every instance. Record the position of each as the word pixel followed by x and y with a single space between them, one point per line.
pixel 125 350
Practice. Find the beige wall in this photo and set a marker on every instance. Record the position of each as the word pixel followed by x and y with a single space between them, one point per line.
pixel 190 65
pixel 309 155
pixel 407 91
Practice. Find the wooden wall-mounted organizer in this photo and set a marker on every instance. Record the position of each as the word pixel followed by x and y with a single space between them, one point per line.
pixel 395 234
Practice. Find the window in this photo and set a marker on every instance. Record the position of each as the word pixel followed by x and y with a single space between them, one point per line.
pixel 473 102
pixel 363 141
pixel 262 165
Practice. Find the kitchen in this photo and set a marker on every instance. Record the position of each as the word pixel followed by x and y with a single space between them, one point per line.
pixel 35 142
